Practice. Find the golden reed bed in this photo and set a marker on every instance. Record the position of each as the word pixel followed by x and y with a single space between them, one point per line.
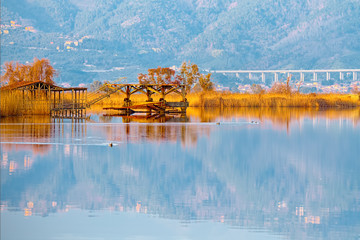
pixel 225 99
pixel 216 99
pixel 12 105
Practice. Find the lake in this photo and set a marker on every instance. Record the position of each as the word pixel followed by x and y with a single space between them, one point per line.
pixel 212 174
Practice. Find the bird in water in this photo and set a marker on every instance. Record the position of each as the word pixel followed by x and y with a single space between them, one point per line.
pixel 217 123
pixel 110 144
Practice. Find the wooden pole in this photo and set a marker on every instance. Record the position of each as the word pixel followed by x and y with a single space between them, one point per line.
pixel 148 94
pixel 23 99
pixel 49 99
pixel 62 102
pixel 162 99
pixel 72 101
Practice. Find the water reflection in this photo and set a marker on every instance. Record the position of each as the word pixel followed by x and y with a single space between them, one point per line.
pixel 295 174
pixel 141 118
pixel 281 118
pixel 37 133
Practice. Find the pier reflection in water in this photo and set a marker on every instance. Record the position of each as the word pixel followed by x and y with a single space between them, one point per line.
pixel 289 172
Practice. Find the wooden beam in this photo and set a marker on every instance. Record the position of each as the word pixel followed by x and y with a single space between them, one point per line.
pixel 172 89
pixel 151 88
pixel 122 91
pixel 136 89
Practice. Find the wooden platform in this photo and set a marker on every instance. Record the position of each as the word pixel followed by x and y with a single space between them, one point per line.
pixel 157 107
pixel 69 112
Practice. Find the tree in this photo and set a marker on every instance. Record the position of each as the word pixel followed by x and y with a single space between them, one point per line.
pixel 39 70
pixel 281 88
pixel 158 76
pixel 95 85
pixel 9 75
pixel 257 89
pixel 205 82
pixel 188 75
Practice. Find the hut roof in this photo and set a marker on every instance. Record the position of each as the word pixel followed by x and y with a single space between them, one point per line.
pixel 25 85
pixel 37 85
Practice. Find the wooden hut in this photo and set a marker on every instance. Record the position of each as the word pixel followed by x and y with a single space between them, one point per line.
pixel 42 97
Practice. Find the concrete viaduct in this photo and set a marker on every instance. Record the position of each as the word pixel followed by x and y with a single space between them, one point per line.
pixel 275 73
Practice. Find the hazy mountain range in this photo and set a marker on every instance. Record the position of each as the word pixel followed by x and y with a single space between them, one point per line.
pixel 96 39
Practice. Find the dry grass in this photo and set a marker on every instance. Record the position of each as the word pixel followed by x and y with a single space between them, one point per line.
pixel 221 99
pixel 226 99
pixel 12 104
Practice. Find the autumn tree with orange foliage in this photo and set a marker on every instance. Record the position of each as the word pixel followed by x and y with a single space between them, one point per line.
pixel 39 70
pixel 205 82
pixel 188 75
pixel 159 76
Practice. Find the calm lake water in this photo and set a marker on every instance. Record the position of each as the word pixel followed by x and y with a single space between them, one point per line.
pixel 259 174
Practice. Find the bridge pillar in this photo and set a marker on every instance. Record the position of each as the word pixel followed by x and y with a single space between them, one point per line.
pixel 263 77
pixel 315 76
pixel 341 76
pixel 327 76
pixel 276 77
pixel 302 78
pixel 354 76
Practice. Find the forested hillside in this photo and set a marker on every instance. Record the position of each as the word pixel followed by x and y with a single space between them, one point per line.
pixel 98 39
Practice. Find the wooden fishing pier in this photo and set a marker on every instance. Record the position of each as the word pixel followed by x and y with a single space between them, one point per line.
pixel 42 97
pixel 157 107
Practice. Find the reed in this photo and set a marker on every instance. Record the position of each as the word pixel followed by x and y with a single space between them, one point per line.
pixel 14 103
pixel 10 104
pixel 226 99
